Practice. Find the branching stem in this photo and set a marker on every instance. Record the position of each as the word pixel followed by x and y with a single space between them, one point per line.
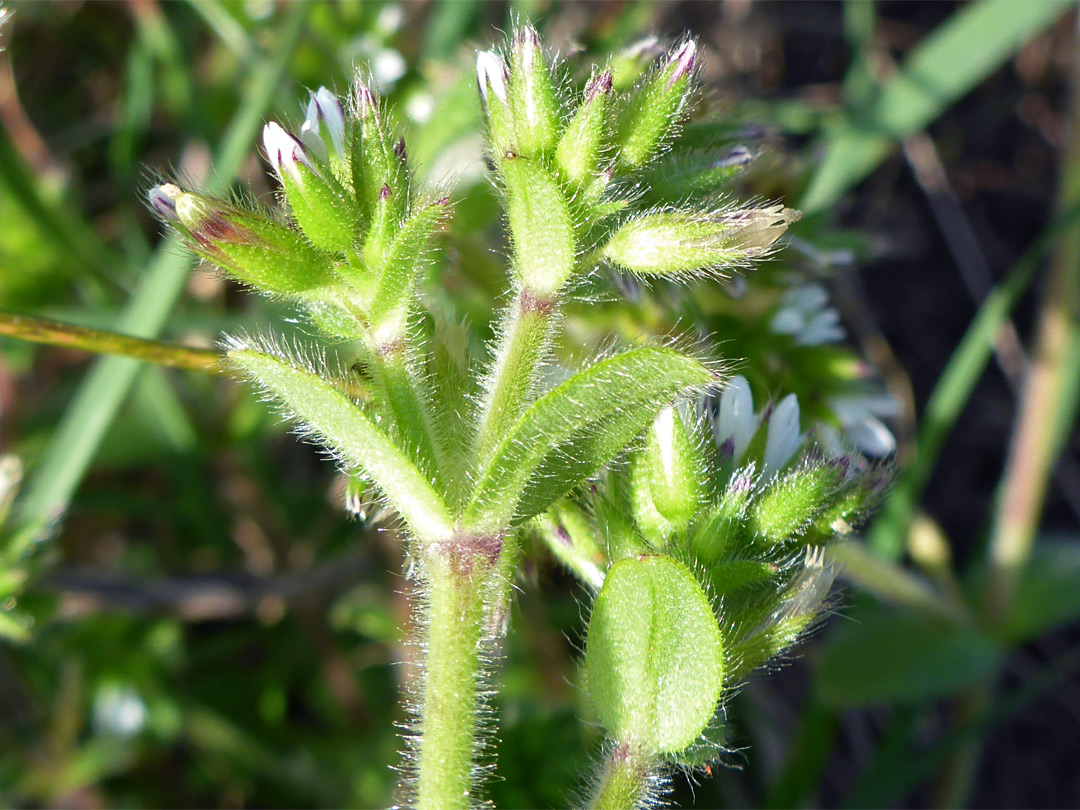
pixel 524 337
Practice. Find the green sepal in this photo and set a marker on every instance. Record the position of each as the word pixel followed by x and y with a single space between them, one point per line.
pixel 578 153
pixel 541 227
pixel 654 660
pixel 681 176
pixel 573 540
pixel 683 243
pixel 735 574
pixel 532 99
pixel 251 247
pixel 325 211
pixel 655 109
pixel 719 531
pixel 791 502
pixel 669 473
pixel 373 159
pixel 394 295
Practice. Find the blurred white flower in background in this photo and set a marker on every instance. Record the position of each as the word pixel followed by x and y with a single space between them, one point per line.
pixel 805 314
pixel 118 710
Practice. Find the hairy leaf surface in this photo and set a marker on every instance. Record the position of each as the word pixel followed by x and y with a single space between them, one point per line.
pixel 340 425
pixel 569 433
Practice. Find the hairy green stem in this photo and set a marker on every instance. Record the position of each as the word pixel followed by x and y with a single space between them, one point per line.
pixel 101 341
pixel 627 781
pixel 457 584
pixel 524 337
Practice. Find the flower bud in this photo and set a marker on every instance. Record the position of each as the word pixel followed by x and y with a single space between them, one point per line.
pixel 681 243
pixel 791 503
pixel 323 130
pixel 163 200
pixel 541 228
pixel 493 79
pixel 533 104
pixel 784 436
pixel 578 152
pixel 736 423
pixel 376 165
pixel 248 246
pixel 321 206
pixel 656 108
pixel 667 478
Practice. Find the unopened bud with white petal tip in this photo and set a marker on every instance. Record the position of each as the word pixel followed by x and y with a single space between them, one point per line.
pixel 667 476
pixel 678 243
pixel 656 108
pixel 492 79
pixel 320 204
pixel 247 245
pixel 285 153
pixel 533 102
pixel 376 163
pixel 579 149
pixel 323 130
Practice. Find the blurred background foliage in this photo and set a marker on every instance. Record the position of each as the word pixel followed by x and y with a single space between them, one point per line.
pixel 191 618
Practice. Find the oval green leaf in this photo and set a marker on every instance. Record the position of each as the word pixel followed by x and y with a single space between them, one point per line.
pixel 654 658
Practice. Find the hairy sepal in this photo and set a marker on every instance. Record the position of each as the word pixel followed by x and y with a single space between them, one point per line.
pixel 407 255
pixel 332 419
pixel 573 430
pixel 541 227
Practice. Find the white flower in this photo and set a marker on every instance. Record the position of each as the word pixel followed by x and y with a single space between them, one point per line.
pixel 858 417
pixel 119 710
pixel 805 314
pixel 784 437
pixel 736 421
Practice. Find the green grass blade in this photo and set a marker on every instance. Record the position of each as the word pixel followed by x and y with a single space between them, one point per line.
pixel 56 333
pixel 72 447
pixel 939 70
pixel 953 390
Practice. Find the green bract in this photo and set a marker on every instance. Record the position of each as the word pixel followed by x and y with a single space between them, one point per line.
pixel 654 656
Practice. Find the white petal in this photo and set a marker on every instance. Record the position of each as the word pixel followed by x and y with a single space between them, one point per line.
pixel 736 420
pixel 872 437
pixel 784 437
pixel 665 438
pixel 491 75
pixel 787 321
pixel 333 116
pixel 824 327
pixel 284 151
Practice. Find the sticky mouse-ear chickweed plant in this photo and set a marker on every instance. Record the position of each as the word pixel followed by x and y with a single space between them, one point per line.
pixel 704 557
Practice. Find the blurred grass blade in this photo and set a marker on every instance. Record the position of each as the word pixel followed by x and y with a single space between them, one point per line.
pixel 55 333
pixel 97 401
pixel 947 64
pixel 85 252
pixel 893 656
pixel 954 388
